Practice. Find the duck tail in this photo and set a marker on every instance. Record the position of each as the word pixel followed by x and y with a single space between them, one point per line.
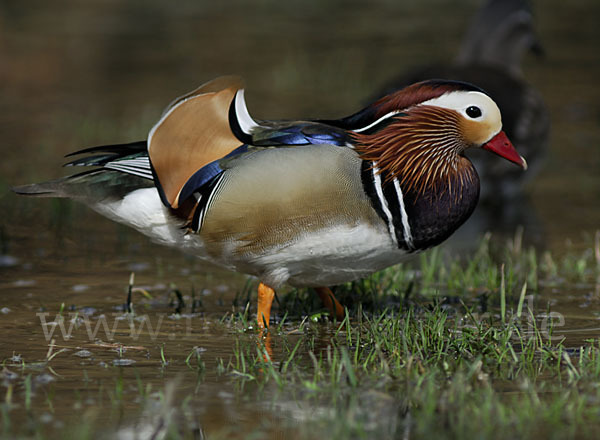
pixel 89 187
pixel 52 188
pixel 119 170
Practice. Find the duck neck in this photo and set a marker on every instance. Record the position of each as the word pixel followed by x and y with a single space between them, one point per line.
pixel 419 218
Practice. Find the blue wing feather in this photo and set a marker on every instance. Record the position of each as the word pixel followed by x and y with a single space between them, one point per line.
pixel 299 133
pixel 206 174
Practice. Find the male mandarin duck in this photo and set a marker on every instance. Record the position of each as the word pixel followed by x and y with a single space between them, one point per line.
pixel 310 203
pixel 490 55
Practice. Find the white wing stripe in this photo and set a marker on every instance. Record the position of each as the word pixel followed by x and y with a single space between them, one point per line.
pixel 208 202
pixel 130 170
pixel 127 167
pixel 141 163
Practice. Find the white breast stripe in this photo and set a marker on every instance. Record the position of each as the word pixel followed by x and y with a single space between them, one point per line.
pixel 389 115
pixel 407 234
pixel 384 205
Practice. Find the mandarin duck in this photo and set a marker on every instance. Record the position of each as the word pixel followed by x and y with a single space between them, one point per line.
pixel 490 55
pixel 310 203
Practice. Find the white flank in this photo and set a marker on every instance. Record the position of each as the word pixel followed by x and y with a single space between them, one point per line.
pixel 328 257
pixel 143 210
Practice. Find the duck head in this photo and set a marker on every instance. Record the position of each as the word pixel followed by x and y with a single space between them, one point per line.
pixel 419 134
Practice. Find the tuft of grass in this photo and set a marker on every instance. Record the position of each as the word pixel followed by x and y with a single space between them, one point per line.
pixel 452 344
pixel 455 374
pixel 163 360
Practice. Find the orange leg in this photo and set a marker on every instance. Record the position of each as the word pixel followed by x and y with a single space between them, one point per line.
pixel 265 300
pixel 329 301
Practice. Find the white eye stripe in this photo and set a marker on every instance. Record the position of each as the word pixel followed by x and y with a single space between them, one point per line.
pixel 460 101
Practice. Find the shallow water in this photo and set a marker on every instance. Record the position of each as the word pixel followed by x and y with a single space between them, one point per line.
pixel 76 74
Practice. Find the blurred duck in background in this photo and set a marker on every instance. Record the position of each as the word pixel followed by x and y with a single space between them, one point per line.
pixel 500 34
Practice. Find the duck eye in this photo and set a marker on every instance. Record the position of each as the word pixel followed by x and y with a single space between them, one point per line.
pixel 473 112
